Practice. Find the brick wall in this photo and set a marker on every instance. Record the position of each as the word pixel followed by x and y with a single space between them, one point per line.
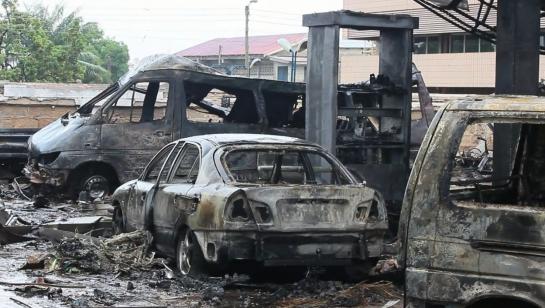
pixel 25 113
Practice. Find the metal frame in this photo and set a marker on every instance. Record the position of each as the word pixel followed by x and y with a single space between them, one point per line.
pixel 389 171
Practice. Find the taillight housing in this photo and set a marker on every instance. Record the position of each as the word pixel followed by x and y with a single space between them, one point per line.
pixel 369 211
pixel 238 208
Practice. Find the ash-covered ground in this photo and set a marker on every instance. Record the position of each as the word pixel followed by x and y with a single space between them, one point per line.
pixel 53 267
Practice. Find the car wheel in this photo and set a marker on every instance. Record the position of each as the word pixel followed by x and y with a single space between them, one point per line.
pixel 118 223
pixel 189 257
pixel 96 185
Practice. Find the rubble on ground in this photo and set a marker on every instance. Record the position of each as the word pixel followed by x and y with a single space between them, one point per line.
pixel 70 259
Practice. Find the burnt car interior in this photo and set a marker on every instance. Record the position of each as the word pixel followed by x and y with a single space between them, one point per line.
pixel 473 178
pixel 240 105
pixel 147 103
pixel 266 166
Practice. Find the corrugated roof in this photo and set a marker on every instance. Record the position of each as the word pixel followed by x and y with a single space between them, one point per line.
pixel 234 46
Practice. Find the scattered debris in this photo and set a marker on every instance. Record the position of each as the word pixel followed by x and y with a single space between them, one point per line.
pixel 41 202
pixel 386 266
pixel 81 225
pixel 94 269
pixel 20 302
pixel 22 187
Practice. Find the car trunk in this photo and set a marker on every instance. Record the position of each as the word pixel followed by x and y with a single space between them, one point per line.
pixel 306 208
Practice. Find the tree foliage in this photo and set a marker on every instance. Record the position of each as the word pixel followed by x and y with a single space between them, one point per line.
pixel 47 45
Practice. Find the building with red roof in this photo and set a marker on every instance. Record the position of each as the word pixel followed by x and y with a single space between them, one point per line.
pixel 269 60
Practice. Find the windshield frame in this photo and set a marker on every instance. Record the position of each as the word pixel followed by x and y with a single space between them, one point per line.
pixel 221 153
pixel 87 108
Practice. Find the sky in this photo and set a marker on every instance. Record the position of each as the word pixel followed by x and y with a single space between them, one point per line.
pixel 162 26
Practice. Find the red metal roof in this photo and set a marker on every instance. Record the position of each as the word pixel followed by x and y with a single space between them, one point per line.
pixel 234 46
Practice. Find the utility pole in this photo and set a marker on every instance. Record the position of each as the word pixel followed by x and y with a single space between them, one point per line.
pixel 246 42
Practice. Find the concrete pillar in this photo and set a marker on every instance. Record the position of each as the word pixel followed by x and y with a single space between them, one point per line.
pixel 322 83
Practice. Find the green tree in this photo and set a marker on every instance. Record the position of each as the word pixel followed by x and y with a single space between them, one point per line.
pixel 51 46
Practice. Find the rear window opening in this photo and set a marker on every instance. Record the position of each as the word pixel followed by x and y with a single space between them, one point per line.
pixel 283 167
pixel 518 181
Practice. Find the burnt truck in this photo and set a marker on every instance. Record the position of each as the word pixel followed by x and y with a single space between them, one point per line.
pixel 13 150
pixel 108 140
pixel 473 216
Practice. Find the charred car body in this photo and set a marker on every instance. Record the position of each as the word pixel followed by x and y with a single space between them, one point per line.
pixel 473 234
pixel 218 199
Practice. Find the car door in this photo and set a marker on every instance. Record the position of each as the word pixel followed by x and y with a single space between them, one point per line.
pixel 172 201
pixel 136 124
pixel 140 189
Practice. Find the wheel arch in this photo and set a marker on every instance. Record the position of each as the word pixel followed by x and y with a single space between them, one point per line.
pixel 103 167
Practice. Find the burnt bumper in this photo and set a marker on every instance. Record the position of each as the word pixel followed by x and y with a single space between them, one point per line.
pixel 41 175
pixel 290 248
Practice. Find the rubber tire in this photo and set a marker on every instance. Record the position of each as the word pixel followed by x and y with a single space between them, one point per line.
pixel 198 264
pixel 118 221
pixel 78 182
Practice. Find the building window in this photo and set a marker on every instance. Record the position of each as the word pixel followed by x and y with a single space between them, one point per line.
pixel 472 43
pixel 420 45
pixel 427 44
pixel 457 43
pixel 486 46
pixel 460 43
pixel 282 73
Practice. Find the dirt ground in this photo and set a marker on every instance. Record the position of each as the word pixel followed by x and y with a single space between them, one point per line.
pixel 78 272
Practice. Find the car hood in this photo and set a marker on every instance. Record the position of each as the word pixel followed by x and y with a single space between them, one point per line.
pixel 64 134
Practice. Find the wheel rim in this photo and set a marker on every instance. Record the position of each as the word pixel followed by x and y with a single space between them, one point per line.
pixel 184 252
pixel 97 186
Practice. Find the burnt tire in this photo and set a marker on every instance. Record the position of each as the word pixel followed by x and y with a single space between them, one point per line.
pixel 118 221
pixel 96 183
pixel 190 260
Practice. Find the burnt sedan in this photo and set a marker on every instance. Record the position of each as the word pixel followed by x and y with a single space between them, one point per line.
pixel 225 199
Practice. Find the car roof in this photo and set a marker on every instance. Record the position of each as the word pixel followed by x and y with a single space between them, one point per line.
pixel 226 139
pixel 516 103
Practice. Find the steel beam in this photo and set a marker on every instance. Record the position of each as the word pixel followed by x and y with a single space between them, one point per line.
pixel 517 69
pixel 360 21
pixel 517 48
